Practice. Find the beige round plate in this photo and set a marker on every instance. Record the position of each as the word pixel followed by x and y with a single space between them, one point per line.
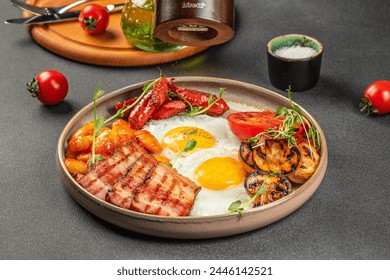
pixel 191 227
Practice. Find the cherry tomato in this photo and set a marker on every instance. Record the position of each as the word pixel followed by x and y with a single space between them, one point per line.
pixel 301 130
pixel 80 143
pixel 124 131
pixel 49 86
pixel 376 98
pixel 248 124
pixel 107 142
pixel 75 166
pixel 94 19
pixel 85 130
pixel 148 141
pixel 85 157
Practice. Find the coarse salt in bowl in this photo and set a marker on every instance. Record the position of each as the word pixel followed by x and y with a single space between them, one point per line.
pixel 295 52
pixel 294 60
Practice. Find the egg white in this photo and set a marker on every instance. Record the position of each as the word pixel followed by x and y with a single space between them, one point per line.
pixel 208 202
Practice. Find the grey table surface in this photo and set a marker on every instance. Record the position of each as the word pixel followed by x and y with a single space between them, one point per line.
pixel 347 218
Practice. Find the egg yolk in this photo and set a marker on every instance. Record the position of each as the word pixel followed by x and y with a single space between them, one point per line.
pixel 220 173
pixel 177 138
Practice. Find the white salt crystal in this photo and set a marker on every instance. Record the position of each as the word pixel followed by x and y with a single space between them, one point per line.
pixel 295 52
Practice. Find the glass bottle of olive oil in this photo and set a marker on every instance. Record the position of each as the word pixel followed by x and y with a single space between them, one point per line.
pixel 138 26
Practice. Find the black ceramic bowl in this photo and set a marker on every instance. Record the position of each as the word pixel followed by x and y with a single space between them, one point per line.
pixel 298 73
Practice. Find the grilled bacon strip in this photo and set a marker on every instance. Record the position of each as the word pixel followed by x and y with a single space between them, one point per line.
pixel 133 179
pixel 125 190
pixel 103 174
pixel 166 193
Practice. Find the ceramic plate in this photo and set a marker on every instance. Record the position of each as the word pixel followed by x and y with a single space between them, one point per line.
pixel 191 227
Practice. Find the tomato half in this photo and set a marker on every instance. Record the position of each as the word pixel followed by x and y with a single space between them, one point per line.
pixel 376 98
pixel 248 124
pixel 49 86
pixel 94 19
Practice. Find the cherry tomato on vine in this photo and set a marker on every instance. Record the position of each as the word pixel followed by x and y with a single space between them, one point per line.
pixel 376 98
pixel 49 86
pixel 94 19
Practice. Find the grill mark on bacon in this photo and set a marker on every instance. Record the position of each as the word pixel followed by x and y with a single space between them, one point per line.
pixel 157 197
pixel 93 185
pixel 135 180
pixel 125 189
pixel 163 194
pixel 115 167
pixel 102 176
pixel 168 194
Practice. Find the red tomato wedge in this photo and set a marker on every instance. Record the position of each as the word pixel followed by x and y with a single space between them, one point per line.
pixel 248 124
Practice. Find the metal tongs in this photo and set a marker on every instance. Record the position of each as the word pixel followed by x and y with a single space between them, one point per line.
pixel 46 11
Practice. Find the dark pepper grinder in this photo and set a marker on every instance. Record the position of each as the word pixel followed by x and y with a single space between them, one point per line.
pixel 194 22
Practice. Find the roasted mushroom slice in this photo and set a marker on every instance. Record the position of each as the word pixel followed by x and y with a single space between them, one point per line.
pixel 277 184
pixel 245 155
pixel 277 156
pixel 310 158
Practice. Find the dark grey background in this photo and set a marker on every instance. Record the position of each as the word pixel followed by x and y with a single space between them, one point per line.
pixel 347 218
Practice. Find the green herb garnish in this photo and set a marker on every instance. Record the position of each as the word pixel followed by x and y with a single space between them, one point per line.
pixel 99 121
pixel 120 113
pixel 239 207
pixel 288 128
pixel 189 146
pixel 197 110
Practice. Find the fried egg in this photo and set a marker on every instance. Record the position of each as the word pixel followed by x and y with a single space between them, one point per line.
pixel 177 138
pixel 212 164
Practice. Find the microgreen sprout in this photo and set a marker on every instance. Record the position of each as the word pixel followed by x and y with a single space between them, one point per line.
pixel 292 118
pixel 239 207
pixel 99 121
pixel 197 110
pixel 120 113
pixel 258 140
pixel 190 144
pixel 254 139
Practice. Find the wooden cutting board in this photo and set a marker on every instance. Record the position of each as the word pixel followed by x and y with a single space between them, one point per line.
pixel 111 48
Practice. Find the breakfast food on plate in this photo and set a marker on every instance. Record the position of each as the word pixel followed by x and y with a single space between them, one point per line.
pixel 149 104
pixel 248 124
pixel 278 186
pixel 133 179
pixel 165 100
pixel 270 155
pixel 200 100
pixel 310 158
pixel 212 163
pixel 175 151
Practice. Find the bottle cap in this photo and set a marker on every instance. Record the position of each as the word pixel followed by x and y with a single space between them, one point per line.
pixel 194 22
